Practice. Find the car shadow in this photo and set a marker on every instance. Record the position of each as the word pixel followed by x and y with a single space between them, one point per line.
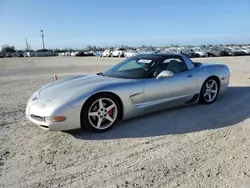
pixel 230 108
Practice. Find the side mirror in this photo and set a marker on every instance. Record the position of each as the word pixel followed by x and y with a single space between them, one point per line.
pixel 165 74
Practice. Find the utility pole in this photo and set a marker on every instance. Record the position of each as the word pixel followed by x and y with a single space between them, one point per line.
pixel 27 46
pixel 42 38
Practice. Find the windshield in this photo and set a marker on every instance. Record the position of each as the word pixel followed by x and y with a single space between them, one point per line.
pixel 186 50
pixel 197 49
pixel 173 50
pixel 133 68
pixel 237 48
pixel 245 48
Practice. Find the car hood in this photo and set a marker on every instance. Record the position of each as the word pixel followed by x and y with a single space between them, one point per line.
pixel 65 88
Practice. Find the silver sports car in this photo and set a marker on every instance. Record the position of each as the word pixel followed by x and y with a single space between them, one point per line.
pixel 136 86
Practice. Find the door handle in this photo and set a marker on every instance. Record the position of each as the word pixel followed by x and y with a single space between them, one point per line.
pixel 189 76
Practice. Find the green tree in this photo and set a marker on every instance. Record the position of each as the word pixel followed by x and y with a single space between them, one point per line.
pixel 8 49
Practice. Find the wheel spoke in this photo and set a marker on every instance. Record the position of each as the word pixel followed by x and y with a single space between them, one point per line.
pixel 212 84
pixel 109 118
pixel 214 91
pixel 110 107
pixel 206 94
pixel 99 123
pixel 93 114
pixel 209 97
pixel 100 103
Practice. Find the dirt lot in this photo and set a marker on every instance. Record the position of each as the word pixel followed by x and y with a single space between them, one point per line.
pixel 197 146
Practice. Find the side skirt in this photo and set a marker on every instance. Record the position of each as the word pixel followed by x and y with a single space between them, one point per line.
pixel 194 99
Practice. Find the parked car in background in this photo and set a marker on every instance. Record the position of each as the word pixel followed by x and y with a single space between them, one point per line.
pixel 180 49
pixel 246 49
pixel 166 50
pixel 199 52
pixel 18 54
pixel 98 54
pixel 173 50
pixel 79 54
pixel 118 52
pixel 107 53
pixel 8 55
pixel 1 55
pixel 73 53
pixel 67 54
pixel 217 51
pixel 188 52
pixel 130 53
pixel 87 53
pixel 146 50
pixel 235 51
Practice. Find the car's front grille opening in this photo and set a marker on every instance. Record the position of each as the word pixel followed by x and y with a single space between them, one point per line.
pixel 38 118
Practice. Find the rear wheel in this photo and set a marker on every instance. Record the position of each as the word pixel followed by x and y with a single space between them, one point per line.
pixel 100 113
pixel 209 91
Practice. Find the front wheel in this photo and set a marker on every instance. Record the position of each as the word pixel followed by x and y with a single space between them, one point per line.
pixel 100 113
pixel 209 91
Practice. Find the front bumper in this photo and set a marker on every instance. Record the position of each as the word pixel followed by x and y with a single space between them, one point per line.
pixel 36 111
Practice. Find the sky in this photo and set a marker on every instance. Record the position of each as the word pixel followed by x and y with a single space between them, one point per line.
pixel 78 23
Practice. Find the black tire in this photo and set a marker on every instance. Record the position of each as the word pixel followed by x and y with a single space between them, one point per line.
pixel 85 123
pixel 202 98
pixel 197 55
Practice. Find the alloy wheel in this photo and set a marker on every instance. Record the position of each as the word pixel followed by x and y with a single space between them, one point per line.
pixel 210 91
pixel 102 113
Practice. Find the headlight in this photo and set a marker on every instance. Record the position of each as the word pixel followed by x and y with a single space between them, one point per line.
pixel 54 119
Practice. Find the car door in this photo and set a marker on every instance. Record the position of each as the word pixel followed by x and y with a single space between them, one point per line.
pixel 171 91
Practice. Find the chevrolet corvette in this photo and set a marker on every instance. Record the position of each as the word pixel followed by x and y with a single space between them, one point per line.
pixel 134 87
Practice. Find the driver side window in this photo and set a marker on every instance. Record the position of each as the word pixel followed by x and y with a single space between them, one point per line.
pixel 174 64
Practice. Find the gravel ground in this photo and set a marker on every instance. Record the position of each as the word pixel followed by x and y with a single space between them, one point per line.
pixel 196 146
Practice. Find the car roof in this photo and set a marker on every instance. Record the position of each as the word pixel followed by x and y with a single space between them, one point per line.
pixel 158 54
